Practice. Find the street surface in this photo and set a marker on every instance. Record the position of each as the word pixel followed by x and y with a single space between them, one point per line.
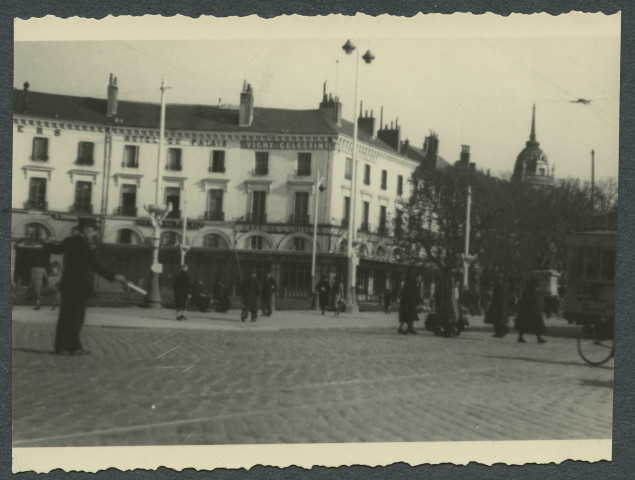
pixel 296 377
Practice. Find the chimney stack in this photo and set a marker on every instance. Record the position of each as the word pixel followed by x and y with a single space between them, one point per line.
pixel 331 107
pixel 111 103
pixel 25 94
pixel 366 123
pixel 465 154
pixel 390 136
pixel 431 144
pixel 246 110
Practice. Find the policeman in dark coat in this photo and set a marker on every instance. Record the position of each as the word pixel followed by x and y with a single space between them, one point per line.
pixel 77 284
pixel 250 289
pixel 269 288
pixel 323 290
pixel 181 292
pixel 408 305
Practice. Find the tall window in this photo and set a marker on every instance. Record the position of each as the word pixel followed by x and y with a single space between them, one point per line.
pixel 384 179
pixel 128 237
pixel 398 223
pixel 258 206
pixel 40 150
pixel 366 174
pixel 83 194
pixel 129 200
pixel 399 184
pixel 173 197
pixel 174 159
pixel 214 204
pixel 131 156
pixel 365 214
pixel 256 242
pixel 213 240
pixel 262 163
pixel 299 244
pixel 382 220
pixel 85 151
pixel 37 194
pixel 348 169
pixel 36 230
pixel 218 161
pixel 304 164
pixel 301 208
pixel 347 211
pixel 170 239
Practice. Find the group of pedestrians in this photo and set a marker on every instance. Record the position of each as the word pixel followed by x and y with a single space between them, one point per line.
pixel 253 295
pixel 331 294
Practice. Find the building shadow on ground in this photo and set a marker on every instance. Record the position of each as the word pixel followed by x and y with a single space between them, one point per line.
pixel 32 350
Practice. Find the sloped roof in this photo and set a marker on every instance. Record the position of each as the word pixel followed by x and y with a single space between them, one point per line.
pixel 186 117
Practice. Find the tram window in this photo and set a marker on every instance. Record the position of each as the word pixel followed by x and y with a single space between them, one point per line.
pixel 608 265
pixel 592 264
pixel 576 263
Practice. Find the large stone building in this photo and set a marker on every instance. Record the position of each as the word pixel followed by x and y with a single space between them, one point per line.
pixel 532 165
pixel 244 178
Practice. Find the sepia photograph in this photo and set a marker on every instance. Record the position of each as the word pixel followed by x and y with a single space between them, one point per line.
pixel 389 236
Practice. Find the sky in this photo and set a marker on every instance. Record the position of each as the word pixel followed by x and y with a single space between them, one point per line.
pixel 475 88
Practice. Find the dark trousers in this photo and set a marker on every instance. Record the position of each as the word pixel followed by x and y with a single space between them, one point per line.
pixel 70 323
pixel 266 305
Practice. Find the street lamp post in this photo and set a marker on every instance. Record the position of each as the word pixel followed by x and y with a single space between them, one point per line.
pixel 353 261
pixel 157 213
pixel 319 187
pixel 467 258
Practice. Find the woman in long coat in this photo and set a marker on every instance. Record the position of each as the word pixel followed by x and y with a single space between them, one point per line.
pixel 497 313
pixel 529 318
pixel 408 305
pixel 322 289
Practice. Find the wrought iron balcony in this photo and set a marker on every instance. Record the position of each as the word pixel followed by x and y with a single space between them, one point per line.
pixel 382 230
pixel 36 205
pixel 299 219
pixel 82 208
pixel 174 214
pixel 127 211
pixel 214 215
pixel 216 170
pixel 85 161
pixel 174 167
pixel 364 227
pixel 253 217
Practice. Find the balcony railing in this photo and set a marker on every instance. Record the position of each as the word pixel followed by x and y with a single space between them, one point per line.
pixel 364 227
pixel 216 170
pixel 299 219
pixel 259 171
pixel 36 205
pixel 214 215
pixel 382 230
pixel 174 214
pixel 127 211
pixel 174 167
pixel 82 208
pixel 85 161
pixel 345 222
pixel 256 217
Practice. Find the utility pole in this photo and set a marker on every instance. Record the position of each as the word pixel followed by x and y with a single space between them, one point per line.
pixel 318 188
pixel 184 247
pixel 592 182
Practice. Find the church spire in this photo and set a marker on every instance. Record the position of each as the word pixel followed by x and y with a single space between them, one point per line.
pixel 532 136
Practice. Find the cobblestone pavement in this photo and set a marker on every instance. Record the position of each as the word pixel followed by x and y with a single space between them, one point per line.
pixel 297 377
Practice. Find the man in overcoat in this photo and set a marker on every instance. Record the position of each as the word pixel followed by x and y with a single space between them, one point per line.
pixel 181 292
pixel 269 288
pixel 76 285
pixel 250 290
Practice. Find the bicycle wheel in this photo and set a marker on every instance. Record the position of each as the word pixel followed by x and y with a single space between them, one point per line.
pixel 595 345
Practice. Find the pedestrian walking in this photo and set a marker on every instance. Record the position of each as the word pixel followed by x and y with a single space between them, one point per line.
pixel 250 289
pixel 323 289
pixel 77 284
pixel 387 300
pixel 269 287
pixel 181 289
pixel 529 318
pixel 408 303
pixel 39 280
pixel 497 313
pixel 337 294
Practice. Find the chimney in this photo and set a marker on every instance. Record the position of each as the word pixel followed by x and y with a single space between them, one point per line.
pixel 246 110
pixel 431 144
pixel 331 107
pixel 366 123
pixel 391 136
pixel 405 147
pixel 465 154
pixel 111 103
pixel 25 94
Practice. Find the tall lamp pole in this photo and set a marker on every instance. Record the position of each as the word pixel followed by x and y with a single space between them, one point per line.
pixel 319 187
pixel 467 258
pixel 157 213
pixel 351 278
pixel 184 247
pixel 592 182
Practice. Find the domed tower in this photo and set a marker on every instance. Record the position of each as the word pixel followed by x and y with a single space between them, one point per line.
pixel 532 166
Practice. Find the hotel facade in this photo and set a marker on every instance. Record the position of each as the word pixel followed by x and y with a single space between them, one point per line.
pixel 245 182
